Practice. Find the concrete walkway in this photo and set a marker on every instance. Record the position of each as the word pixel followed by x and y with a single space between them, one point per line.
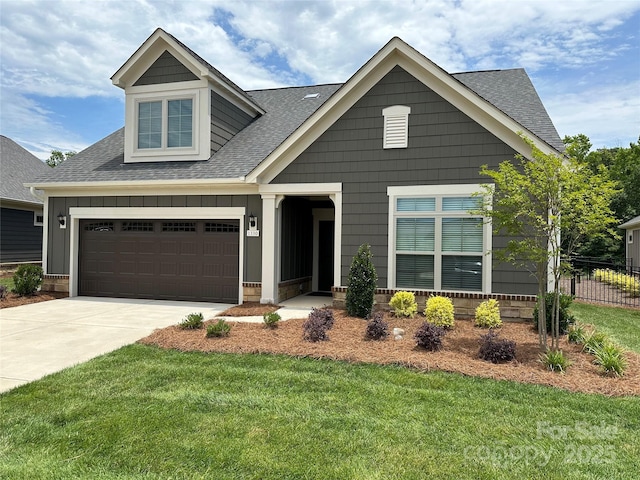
pixel 43 338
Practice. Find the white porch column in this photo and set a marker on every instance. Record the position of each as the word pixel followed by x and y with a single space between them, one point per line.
pixel 269 231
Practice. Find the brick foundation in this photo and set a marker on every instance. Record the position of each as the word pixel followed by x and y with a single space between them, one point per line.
pixel 512 307
pixel 55 283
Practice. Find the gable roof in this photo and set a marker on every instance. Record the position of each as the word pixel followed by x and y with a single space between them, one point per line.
pixel 503 101
pixel 631 224
pixel 18 166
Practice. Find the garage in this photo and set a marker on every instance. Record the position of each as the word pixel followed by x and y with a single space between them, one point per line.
pixel 191 260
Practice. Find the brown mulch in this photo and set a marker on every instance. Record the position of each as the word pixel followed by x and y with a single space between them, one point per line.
pixel 14 300
pixel 249 309
pixel 460 353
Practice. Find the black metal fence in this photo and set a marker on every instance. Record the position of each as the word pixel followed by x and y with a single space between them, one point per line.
pixel 598 281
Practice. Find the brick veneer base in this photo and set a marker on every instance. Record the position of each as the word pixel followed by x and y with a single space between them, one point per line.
pixel 512 307
pixel 55 283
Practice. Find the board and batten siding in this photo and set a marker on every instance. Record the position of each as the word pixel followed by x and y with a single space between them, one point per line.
pixel 58 243
pixel 445 146
pixel 20 239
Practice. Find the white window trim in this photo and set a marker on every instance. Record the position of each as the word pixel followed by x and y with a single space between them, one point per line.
pixel 437 191
pixel 153 213
pixel 201 124
pixel 398 115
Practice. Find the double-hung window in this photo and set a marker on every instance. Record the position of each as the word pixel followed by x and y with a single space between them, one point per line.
pixel 435 243
pixel 165 124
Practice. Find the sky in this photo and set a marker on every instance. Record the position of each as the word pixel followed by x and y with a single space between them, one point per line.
pixel 57 56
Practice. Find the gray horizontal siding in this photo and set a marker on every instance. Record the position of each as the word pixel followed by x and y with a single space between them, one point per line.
pixel 58 249
pixel 445 147
pixel 166 69
pixel 226 121
pixel 20 239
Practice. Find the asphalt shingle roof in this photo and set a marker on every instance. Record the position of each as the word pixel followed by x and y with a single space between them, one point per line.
pixel 18 166
pixel 511 91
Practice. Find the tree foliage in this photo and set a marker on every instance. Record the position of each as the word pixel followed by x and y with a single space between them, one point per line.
pixel 532 200
pixel 57 157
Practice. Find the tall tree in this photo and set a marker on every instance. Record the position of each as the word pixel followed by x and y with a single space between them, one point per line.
pixel 57 157
pixel 532 200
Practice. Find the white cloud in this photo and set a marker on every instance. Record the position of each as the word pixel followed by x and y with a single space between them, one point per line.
pixel 73 49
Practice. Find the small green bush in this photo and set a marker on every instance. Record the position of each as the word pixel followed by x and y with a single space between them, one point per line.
pixel 488 314
pixel 193 321
pixel 271 319
pixel 596 341
pixel 27 279
pixel 555 360
pixel 377 328
pixel 361 284
pixel 611 359
pixel 219 329
pixel 439 311
pixel 577 333
pixel 429 336
pixel 565 317
pixel 404 304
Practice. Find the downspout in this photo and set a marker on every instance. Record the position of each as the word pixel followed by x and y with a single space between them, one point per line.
pixel 38 194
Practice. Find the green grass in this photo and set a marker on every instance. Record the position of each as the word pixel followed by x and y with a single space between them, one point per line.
pixel 7 282
pixel 621 324
pixel 142 412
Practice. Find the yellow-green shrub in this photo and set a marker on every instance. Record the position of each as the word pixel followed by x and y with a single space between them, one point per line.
pixel 404 304
pixel 439 311
pixel 488 314
pixel 624 282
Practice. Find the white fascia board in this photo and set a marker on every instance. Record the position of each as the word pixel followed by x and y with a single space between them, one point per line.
pixel 112 191
pixel 300 188
pixel 396 52
pixel 187 183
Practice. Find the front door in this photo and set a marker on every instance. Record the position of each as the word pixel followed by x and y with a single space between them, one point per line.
pixel 325 255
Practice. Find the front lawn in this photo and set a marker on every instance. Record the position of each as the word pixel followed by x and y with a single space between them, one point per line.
pixel 143 412
pixel 621 324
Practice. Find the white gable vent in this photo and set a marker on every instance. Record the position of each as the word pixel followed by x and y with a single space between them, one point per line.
pixel 396 126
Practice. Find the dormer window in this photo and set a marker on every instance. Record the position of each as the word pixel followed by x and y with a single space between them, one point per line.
pixel 165 124
pixel 396 126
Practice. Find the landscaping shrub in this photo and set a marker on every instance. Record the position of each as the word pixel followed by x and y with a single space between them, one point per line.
pixel 488 314
pixel 192 321
pixel 315 328
pixel 271 319
pixel 610 358
pixel 596 341
pixel 361 284
pixel 404 304
pixel 496 350
pixel 377 328
pixel 555 360
pixel 219 329
pixel 565 316
pixel 576 333
pixel 429 336
pixel 439 311
pixel 27 279
pixel 624 282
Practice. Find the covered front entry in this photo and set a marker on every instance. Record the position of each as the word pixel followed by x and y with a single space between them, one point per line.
pixel 195 260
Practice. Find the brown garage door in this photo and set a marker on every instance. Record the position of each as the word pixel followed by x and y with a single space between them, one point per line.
pixel 192 260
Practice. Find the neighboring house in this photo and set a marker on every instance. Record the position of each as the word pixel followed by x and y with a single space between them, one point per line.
pixel 632 241
pixel 21 213
pixel 213 193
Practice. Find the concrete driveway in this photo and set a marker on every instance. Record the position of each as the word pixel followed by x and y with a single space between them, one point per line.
pixel 46 337
pixel 43 338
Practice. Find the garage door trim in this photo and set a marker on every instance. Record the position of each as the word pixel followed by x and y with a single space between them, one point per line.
pixel 124 213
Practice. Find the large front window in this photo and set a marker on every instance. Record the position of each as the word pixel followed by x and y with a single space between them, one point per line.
pixel 436 244
pixel 165 124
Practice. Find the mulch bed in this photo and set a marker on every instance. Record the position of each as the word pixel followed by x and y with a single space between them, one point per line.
pixel 460 353
pixel 14 300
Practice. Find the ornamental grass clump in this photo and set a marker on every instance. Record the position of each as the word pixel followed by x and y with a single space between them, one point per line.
pixel 439 311
pixel 488 314
pixel 193 321
pixel 404 304
pixel 610 358
pixel 555 360
pixel 219 329
pixel 377 328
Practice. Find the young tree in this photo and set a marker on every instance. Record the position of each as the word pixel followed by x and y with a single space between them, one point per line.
pixel 361 284
pixel 532 200
pixel 57 157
